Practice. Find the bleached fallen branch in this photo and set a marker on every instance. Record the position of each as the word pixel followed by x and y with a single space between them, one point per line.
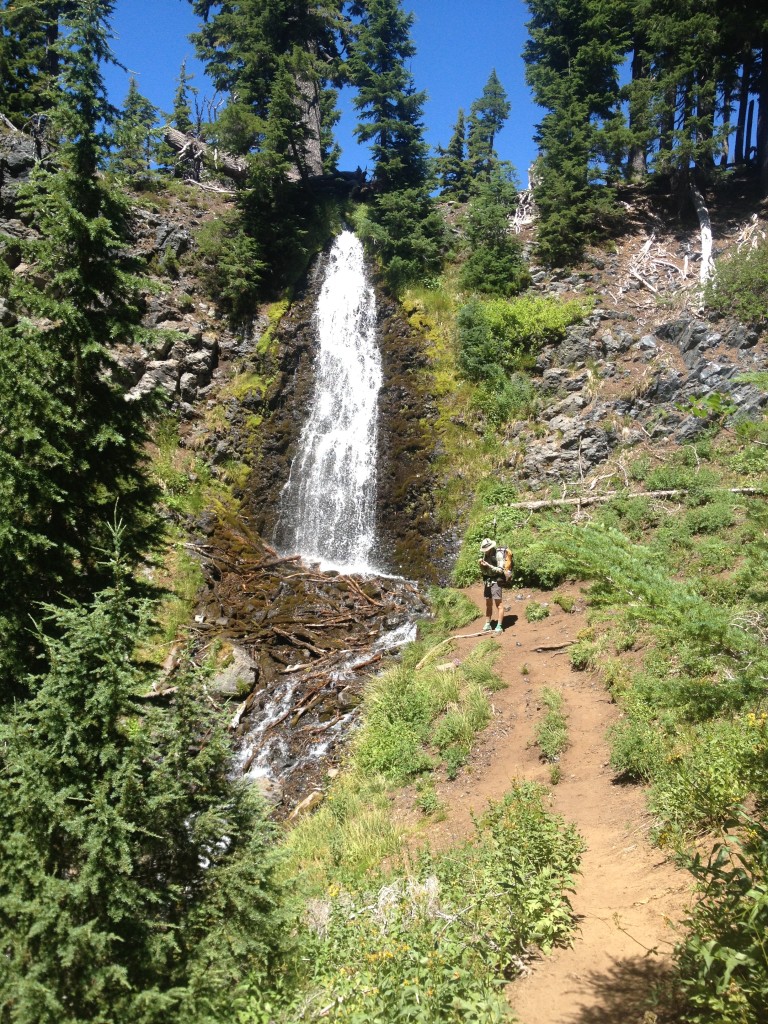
pixel 208 187
pixel 597 499
pixel 707 264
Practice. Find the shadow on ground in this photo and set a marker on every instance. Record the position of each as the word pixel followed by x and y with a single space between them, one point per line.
pixel 635 990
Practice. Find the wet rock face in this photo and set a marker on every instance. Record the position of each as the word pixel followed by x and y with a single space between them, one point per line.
pixel 288 365
pixel 405 524
pixel 407 528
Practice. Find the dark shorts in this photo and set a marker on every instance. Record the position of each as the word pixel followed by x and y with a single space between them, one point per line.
pixel 492 589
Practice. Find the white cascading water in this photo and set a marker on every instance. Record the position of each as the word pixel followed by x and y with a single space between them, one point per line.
pixel 328 506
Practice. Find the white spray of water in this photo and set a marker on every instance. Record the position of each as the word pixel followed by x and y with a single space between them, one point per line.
pixel 328 505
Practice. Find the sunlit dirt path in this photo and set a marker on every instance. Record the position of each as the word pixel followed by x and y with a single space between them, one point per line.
pixel 629 895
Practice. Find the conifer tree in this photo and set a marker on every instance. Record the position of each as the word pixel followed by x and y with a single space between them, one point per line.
pixel 572 57
pixel 495 265
pixel 451 165
pixel 181 116
pixel 405 228
pixel 72 446
pixel 136 879
pixel 683 51
pixel 487 117
pixel 29 57
pixel 135 135
pixel 248 44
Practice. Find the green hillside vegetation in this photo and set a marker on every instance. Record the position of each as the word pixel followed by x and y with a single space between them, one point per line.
pixel 139 881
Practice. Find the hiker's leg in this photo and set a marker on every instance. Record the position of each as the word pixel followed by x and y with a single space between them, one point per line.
pixel 488 606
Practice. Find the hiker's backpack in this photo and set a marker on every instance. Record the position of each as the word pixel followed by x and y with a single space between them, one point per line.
pixel 505 561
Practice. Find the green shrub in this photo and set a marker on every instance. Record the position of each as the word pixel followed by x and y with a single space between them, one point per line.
pixel 416 949
pixel 740 284
pixel 231 267
pixel 535 612
pixel 496 336
pixel 638 749
pixel 564 601
pixel 406 711
pixel 583 655
pixel 513 398
pixel 723 962
pixel 495 265
pixel 706 779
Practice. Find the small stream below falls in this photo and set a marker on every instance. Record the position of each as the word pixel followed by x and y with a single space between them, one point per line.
pixel 308 618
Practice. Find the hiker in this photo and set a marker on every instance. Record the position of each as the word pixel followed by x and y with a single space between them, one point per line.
pixel 496 569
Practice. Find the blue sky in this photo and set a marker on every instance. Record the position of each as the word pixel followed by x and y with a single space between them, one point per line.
pixel 458 43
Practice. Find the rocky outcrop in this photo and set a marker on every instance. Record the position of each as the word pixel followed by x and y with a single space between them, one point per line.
pixel 605 386
pixel 18 157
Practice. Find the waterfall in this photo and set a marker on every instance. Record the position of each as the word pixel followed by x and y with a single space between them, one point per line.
pixel 328 506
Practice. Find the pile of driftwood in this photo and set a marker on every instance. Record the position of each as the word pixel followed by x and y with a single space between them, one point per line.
pixel 313 638
pixel 292 616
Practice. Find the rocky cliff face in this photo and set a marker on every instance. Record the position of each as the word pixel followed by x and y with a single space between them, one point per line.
pixel 611 384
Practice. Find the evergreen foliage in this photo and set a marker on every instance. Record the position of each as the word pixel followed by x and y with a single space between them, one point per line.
pixel 405 230
pixel 135 136
pixel 740 284
pixel 251 49
pixel 72 446
pixel 29 58
pixel 137 880
pixel 181 116
pixel 390 107
pixel 451 167
pixel 495 265
pixel 486 119
pixel 572 58
pixel 495 337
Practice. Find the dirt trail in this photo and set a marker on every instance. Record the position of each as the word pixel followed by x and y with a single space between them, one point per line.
pixel 628 894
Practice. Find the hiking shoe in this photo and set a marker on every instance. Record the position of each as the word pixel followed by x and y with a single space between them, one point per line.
pixel 487 627
pixel 498 629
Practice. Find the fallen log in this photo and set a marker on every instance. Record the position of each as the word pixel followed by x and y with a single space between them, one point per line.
pixel 188 147
pixel 596 499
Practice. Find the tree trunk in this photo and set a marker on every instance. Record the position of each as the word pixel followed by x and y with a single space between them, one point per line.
pixel 636 162
pixel 707 266
pixel 705 122
pixel 748 137
pixel 739 155
pixel 727 127
pixel 189 146
pixel 762 117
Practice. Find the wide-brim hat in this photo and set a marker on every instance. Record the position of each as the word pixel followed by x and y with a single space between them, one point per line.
pixel 487 544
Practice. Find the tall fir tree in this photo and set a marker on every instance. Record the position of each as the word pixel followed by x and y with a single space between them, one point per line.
pixel 29 57
pixel 405 229
pixel 73 446
pixel 495 265
pixel 135 136
pixel 247 47
pixel 136 879
pixel 487 117
pixel 572 57
pixel 181 115
pixel 682 52
pixel 451 167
